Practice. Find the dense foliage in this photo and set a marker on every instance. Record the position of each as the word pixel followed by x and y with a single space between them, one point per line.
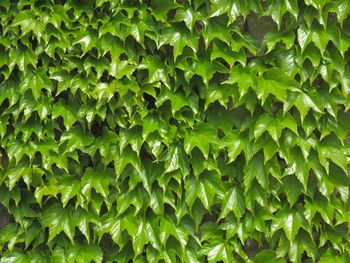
pixel 174 131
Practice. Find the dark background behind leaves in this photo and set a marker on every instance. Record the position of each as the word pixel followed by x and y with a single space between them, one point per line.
pixel 174 131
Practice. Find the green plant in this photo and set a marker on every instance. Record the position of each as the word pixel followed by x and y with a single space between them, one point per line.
pixel 175 131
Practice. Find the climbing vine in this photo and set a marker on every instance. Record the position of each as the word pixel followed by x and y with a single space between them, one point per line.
pixel 174 131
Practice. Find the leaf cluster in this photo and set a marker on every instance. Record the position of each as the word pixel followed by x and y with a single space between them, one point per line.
pixel 175 131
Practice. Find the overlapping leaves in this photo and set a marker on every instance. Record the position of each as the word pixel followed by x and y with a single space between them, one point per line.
pixel 175 131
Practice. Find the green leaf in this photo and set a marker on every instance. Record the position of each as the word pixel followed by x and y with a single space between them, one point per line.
pixel 177 159
pixel 293 188
pixel 28 21
pixel 167 228
pixel 234 9
pixel 174 131
pixel 98 179
pixel 275 82
pixel 291 221
pixel 160 9
pixel 274 125
pixel 68 187
pixel 9 234
pixel 157 71
pixel 202 67
pixel 188 15
pixel 36 81
pixel 87 40
pixel 235 145
pixel 46 190
pixel 277 10
pixel 268 256
pixel 331 255
pixel 67 111
pixel 13 174
pixel 234 201
pixel 220 50
pixel 220 252
pixel 216 29
pixel 156 201
pixel 190 190
pixel 57 219
pixel 201 136
pixel 141 239
pixel 301 244
pixel 84 253
pixel 255 169
pixel 272 38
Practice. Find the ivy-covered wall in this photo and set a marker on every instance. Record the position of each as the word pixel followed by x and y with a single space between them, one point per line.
pixel 174 131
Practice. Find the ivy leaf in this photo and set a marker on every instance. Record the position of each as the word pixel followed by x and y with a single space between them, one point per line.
pixel 220 50
pixel 156 202
pixel 235 145
pixel 275 82
pixel 87 40
pixel 201 67
pixel 302 243
pixel 76 139
pixel 274 125
pixel 160 9
pixel 178 100
pixel 201 136
pixel 277 10
pixel 8 91
pixel 188 15
pixel 331 255
pixel 128 157
pixel 14 173
pixel 243 78
pixel 272 38
pixel 36 81
pixel 57 219
pixel 98 179
pixel 67 111
pixel 26 20
pixel 220 252
pixel 332 151
pixel 46 190
pixel 112 225
pixel 84 253
pixel 303 102
pixel 167 228
pixel 141 239
pixel 177 159
pixel 293 188
pixel 68 187
pixel 298 167
pixel 268 256
pixel 232 9
pixel 234 201
pixel 22 57
pixel 216 29
pixel 255 169
pixel 157 71
pixel 291 221
pixel 9 234
pixel 190 190
pixel 343 9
